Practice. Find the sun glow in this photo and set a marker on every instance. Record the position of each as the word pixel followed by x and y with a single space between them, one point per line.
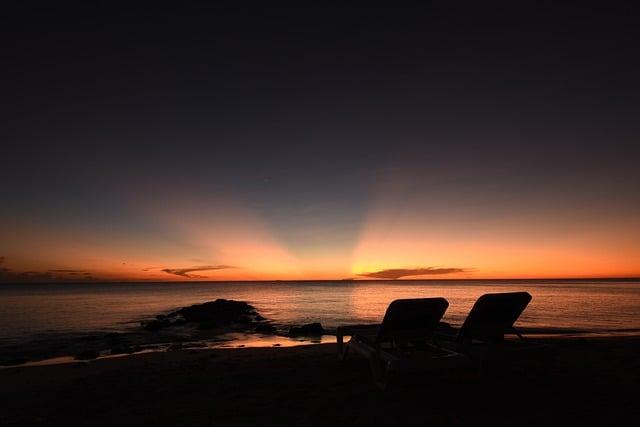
pixel 193 241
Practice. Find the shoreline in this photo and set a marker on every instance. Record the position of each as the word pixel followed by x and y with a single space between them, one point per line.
pixel 592 382
pixel 224 341
pixel 230 340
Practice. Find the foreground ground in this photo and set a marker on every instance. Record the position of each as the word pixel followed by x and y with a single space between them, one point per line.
pixel 593 382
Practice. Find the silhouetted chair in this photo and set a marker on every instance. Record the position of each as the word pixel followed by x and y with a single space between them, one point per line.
pixel 402 342
pixel 482 335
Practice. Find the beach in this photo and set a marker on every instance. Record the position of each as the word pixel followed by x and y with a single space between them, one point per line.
pixel 592 382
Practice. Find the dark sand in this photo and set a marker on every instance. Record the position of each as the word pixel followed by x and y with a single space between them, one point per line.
pixel 593 382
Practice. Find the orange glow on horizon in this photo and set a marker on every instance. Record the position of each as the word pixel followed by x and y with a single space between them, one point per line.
pixel 238 245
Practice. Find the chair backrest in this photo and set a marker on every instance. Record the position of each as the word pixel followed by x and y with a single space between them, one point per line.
pixel 408 320
pixel 492 316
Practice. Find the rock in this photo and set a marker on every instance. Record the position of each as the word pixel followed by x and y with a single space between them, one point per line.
pixel 207 326
pixel 87 355
pixel 207 316
pixel 194 345
pixel 183 346
pixel 156 325
pixel 13 362
pixel 89 338
pixel 259 318
pixel 148 347
pixel 244 319
pixel 179 322
pixel 113 336
pixel 265 328
pixel 310 329
pixel 125 349
pixel 220 311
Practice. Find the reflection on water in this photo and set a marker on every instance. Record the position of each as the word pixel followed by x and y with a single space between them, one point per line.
pixel 260 340
pixel 27 311
pixel 229 340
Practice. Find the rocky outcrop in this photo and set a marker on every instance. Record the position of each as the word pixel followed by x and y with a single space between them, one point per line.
pixel 87 355
pixel 124 349
pixel 156 325
pixel 310 329
pixel 209 315
pixel 265 328
pixel 186 345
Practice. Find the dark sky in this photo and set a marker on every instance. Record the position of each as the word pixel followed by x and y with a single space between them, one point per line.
pixel 312 118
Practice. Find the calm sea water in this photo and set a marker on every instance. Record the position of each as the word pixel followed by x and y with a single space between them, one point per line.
pixel 34 310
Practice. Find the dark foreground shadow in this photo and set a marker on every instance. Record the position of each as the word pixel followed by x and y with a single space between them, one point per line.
pixel 592 383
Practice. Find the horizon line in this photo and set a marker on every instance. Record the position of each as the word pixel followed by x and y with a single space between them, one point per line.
pixel 605 278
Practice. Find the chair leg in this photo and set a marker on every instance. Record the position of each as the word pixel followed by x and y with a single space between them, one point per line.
pixel 380 373
pixel 343 349
pixel 345 352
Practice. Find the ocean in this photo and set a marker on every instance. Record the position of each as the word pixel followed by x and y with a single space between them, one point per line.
pixel 43 313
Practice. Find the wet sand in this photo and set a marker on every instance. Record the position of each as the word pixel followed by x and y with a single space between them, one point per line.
pixel 592 382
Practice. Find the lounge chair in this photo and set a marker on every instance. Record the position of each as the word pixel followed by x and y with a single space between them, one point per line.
pixel 402 342
pixel 482 335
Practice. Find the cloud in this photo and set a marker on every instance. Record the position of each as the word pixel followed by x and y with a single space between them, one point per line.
pixel 184 272
pixel 397 273
pixel 66 271
pixel 5 273
pixel 8 275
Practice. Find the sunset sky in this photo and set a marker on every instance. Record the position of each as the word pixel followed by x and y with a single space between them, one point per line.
pixel 239 143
